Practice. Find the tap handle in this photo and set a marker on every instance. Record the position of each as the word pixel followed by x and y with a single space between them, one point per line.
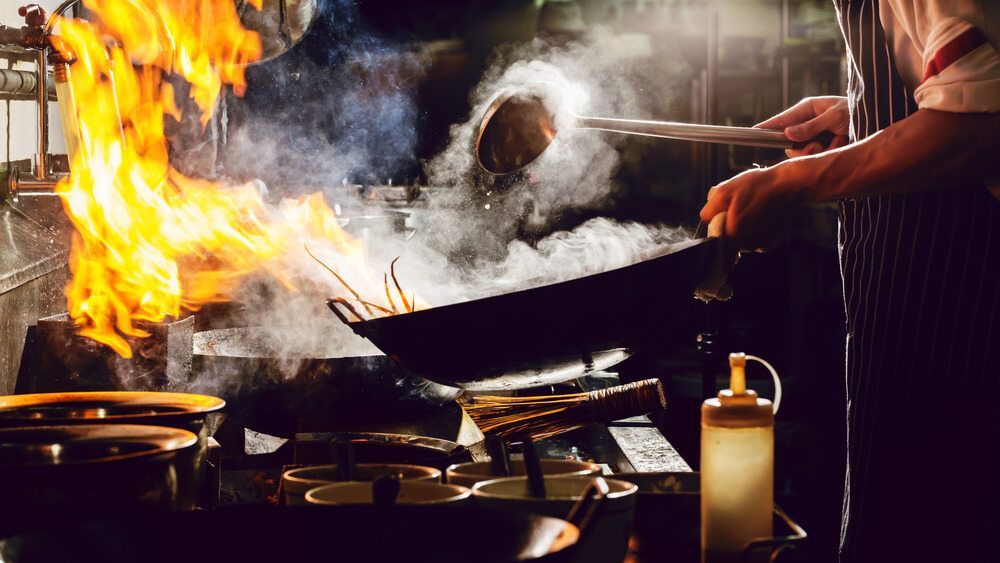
pixel 33 14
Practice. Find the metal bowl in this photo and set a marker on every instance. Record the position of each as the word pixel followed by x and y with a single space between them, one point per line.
pixel 93 469
pixel 177 410
pixel 377 447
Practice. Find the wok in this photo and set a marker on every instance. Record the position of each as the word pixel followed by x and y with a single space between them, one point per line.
pixel 546 334
pixel 332 380
pixel 261 533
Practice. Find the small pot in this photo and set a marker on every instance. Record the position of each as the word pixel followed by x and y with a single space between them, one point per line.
pixel 605 539
pixel 667 514
pixel 91 470
pixel 297 482
pixel 410 492
pixel 469 474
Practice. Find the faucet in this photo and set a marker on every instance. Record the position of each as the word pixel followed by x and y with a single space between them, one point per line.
pixel 37 34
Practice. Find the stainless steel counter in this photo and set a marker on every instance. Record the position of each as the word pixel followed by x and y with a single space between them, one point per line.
pixel 34 245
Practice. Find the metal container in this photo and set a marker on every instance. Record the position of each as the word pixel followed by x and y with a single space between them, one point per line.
pixel 376 447
pixel 469 474
pixel 297 482
pixel 410 492
pixel 667 514
pixel 89 470
pixel 250 534
pixel 198 414
pixel 606 538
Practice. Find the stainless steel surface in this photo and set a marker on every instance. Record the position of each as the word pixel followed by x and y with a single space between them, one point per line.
pixel 34 244
pixel 518 127
pixel 645 448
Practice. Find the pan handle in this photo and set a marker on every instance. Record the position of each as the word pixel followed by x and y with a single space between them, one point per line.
pixel 591 503
pixel 333 303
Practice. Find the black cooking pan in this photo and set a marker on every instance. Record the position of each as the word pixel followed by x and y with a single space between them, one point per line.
pixel 326 382
pixel 550 333
pixel 267 534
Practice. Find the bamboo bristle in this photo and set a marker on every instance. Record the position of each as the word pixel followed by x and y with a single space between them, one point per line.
pixel 545 416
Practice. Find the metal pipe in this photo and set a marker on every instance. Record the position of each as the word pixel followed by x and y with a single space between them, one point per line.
pixel 18 188
pixel 41 96
pixel 21 83
pixel 60 9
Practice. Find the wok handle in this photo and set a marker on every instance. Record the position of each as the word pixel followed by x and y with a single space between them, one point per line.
pixel 333 303
pixel 590 505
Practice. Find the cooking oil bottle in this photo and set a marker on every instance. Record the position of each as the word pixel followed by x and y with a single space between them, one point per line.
pixel 737 466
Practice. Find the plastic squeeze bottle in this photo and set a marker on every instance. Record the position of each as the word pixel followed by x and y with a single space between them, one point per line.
pixel 737 468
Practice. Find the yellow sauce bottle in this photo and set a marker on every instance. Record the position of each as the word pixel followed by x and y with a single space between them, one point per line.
pixel 737 468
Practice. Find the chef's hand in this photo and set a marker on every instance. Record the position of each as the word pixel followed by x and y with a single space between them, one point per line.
pixel 810 117
pixel 758 204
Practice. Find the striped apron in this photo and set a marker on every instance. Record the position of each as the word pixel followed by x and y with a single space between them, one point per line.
pixel 922 292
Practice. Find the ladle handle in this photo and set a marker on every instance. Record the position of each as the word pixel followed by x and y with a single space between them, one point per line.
pixel 499 456
pixel 533 468
pixel 343 454
pixel 745 136
pixel 589 505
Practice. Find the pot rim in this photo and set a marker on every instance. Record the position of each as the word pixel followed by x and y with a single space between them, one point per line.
pixel 586 468
pixel 291 476
pixel 461 493
pixel 189 403
pixel 626 489
pixel 162 439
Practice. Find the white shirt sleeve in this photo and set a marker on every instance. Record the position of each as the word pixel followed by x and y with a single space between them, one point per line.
pixel 956 41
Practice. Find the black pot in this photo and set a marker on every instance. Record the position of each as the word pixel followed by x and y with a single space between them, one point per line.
pixel 438 534
pixel 91 470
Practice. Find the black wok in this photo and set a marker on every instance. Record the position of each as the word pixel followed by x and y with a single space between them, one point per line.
pixel 281 385
pixel 268 534
pixel 547 334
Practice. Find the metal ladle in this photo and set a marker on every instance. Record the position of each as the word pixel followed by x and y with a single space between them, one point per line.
pixel 518 127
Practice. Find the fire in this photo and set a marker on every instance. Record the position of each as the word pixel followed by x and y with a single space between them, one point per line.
pixel 149 241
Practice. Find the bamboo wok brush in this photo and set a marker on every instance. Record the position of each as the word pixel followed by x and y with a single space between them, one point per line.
pixel 514 418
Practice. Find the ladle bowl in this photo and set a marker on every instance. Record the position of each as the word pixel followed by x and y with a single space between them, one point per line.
pixel 518 125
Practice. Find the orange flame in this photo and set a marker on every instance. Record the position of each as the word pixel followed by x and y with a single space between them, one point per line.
pixel 149 241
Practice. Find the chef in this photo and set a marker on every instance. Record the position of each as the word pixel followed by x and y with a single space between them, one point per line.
pixel 914 163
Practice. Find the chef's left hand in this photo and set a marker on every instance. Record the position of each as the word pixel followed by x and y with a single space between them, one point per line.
pixel 759 205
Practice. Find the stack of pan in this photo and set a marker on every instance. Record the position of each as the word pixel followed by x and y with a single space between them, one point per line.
pixel 82 455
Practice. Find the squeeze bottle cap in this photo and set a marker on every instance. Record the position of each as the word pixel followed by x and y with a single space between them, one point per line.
pixel 737 407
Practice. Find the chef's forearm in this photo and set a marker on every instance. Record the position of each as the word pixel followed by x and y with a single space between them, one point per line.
pixel 928 150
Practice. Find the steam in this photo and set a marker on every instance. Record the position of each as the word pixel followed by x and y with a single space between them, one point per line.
pixel 358 116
